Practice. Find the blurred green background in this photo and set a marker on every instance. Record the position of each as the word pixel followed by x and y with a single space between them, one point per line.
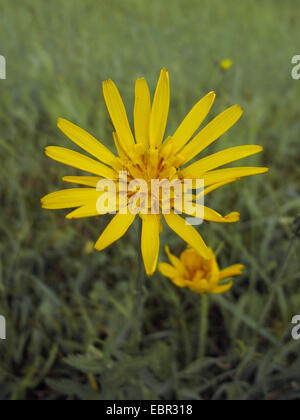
pixel 70 309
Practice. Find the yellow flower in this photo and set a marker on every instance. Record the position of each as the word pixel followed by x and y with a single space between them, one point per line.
pixel 226 64
pixel 89 246
pixel 198 274
pixel 146 156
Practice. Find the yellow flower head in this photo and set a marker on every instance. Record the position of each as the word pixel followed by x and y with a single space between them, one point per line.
pixel 197 273
pixel 226 64
pixel 148 156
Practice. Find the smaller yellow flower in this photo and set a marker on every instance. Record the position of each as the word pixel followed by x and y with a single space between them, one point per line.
pixel 199 275
pixel 89 247
pixel 226 64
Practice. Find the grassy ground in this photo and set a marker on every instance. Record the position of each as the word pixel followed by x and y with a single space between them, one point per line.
pixel 69 309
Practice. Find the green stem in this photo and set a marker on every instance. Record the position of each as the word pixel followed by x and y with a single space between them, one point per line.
pixel 203 325
pixel 139 286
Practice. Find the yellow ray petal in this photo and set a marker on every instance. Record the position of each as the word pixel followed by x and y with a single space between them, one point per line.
pixel 188 233
pixel 179 281
pixel 115 230
pixel 199 286
pixel 94 209
pixel 214 277
pixel 68 198
pixel 86 141
pixel 222 289
pixel 221 175
pixel 90 181
pixel 118 114
pixel 150 242
pixel 211 132
pixel 219 159
pixel 211 215
pixel 190 258
pixel 160 109
pixel 142 110
pixel 89 210
pixel 214 187
pixel 177 263
pixel 79 161
pixel 233 270
pixel 119 148
pixel 192 121
pixel 168 270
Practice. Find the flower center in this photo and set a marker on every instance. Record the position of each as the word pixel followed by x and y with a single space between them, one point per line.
pixel 199 271
pixel 148 166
